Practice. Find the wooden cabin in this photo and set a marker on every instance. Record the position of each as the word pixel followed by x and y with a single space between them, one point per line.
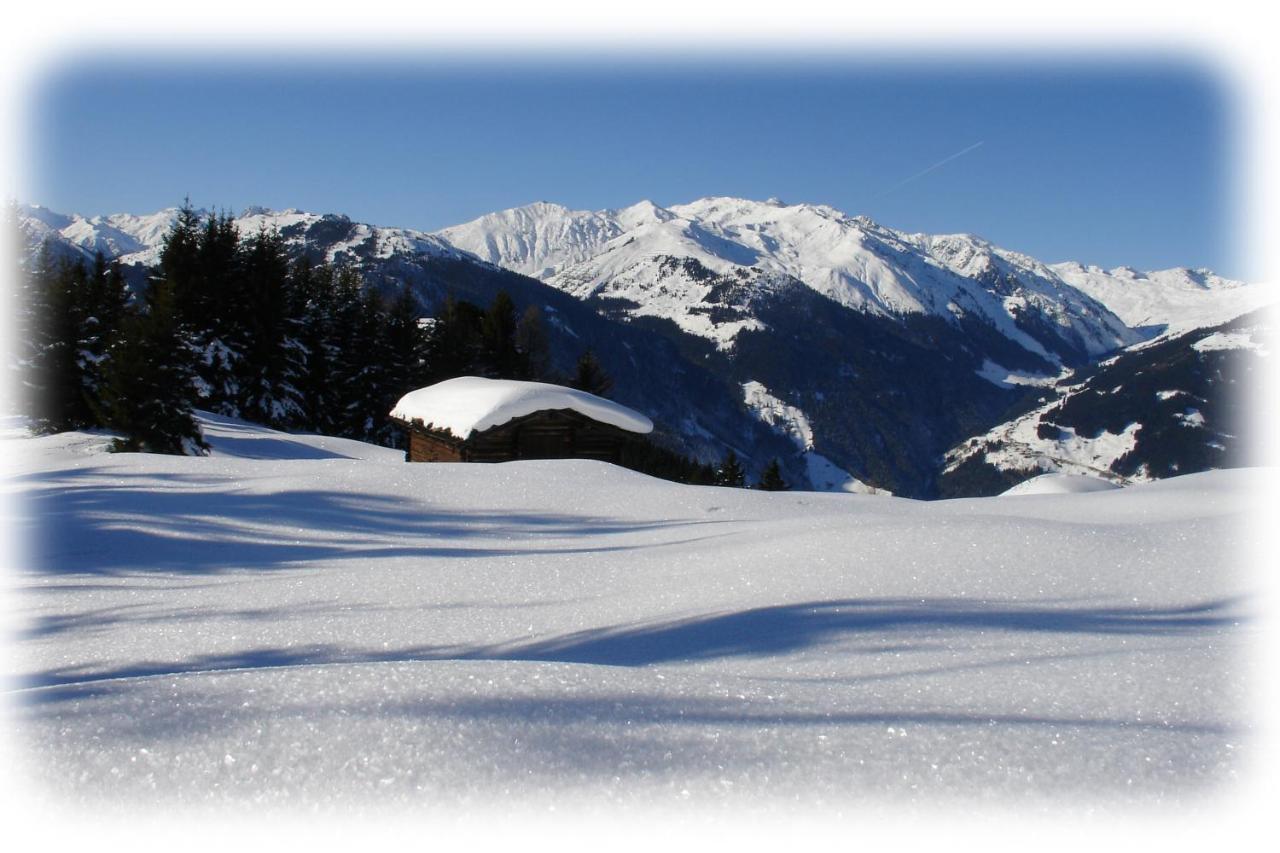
pixel 473 419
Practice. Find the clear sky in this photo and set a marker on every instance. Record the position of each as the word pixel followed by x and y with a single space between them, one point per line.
pixel 1105 164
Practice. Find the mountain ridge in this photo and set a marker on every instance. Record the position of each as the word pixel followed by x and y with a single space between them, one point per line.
pixel 733 321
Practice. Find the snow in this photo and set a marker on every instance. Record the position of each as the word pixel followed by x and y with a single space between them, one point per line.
pixel 1229 340
pixel 823 474
pixel 293 625
pixel 1061 484
pixel 852 260
pixel 784 419
pixel 473 404
pixel 1004 377
pixel 1016 445
pixel 1172 301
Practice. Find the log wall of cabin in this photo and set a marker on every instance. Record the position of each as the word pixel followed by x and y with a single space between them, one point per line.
pixel 424 447
pixel 541 435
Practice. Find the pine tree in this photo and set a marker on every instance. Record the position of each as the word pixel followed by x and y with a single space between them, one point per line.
pixel 147 393
pixel 531 341
pixel 589 376
pixel 771 480
pixel 406 346
pixel 730 472
pixel 502 359
pixel 106 299
pixel 271 356
pixel 314 290
pixel 56 375
pixel 455 341
pixel 200 265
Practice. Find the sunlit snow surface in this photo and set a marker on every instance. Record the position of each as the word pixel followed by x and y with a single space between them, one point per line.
pixel 297 621
pixel 475 403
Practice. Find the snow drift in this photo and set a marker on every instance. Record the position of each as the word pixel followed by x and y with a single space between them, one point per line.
pixel 296 622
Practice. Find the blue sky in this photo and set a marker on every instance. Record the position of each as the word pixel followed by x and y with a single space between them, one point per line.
pixel 1103 163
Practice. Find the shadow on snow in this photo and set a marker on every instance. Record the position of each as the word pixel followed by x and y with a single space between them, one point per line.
pixel 759 632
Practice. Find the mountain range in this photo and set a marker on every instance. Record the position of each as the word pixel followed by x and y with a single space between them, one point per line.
pixel 861 356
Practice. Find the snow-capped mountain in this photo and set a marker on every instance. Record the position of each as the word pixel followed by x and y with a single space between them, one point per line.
pixel 138 240
pixel 857 353
pixel 1156 410
pixel 540 238
pixel 1169 301
pixel 640 257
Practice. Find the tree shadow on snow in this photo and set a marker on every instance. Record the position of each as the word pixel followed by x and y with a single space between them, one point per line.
pixel 760 632
pixel 116 528
pixel 781 629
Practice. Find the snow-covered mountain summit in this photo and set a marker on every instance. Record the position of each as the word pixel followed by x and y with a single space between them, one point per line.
pixel 139 239
pixel 540 238
pixel 673 262
pixel 679 262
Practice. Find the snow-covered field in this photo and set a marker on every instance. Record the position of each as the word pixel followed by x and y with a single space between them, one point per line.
pixel 304 623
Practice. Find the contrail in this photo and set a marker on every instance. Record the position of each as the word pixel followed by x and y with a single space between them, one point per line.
pixel 937 165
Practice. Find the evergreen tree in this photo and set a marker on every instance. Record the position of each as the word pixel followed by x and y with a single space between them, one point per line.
pixel 455 342
pixel 147 393
pixel 590 376
pixel 180 265
pixel 730 472
pixel 318 396
pixel 200 266
pixel 57 378
pixel 363 371
pixel 531 341
pixel 771 480
pixel 406 346
pixel 106 300
pixel 271 356
pixel 498 329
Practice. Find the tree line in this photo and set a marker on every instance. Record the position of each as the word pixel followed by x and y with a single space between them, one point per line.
pixel 231 324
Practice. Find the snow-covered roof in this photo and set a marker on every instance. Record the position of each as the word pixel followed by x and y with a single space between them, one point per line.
pixel 473 404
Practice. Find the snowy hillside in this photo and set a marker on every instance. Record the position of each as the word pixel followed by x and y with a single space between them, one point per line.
pixel 1169 301
pixel 302 623
pixel 1178 403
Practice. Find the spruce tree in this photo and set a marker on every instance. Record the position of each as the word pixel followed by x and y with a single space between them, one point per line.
pixel 271 356
pixel 455 341
pixel 106 301
pixel 406 345
pixel 730 472
pixel 313 288
pixel 771 480
pixel 56 376
pixel 498 328
pixel 147 393
pixel 589 376
pixel 531 341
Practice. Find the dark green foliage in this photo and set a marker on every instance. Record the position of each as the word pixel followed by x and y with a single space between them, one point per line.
pixel 147 394
pixel 590 376
pixel 455 341
pixel 730 472
pixel 531 341
pixel 70 319
pixel 264 333
pixel 648 458
pixel 502 359
pixel 771 480
pixel 975 478
pixel 56 376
